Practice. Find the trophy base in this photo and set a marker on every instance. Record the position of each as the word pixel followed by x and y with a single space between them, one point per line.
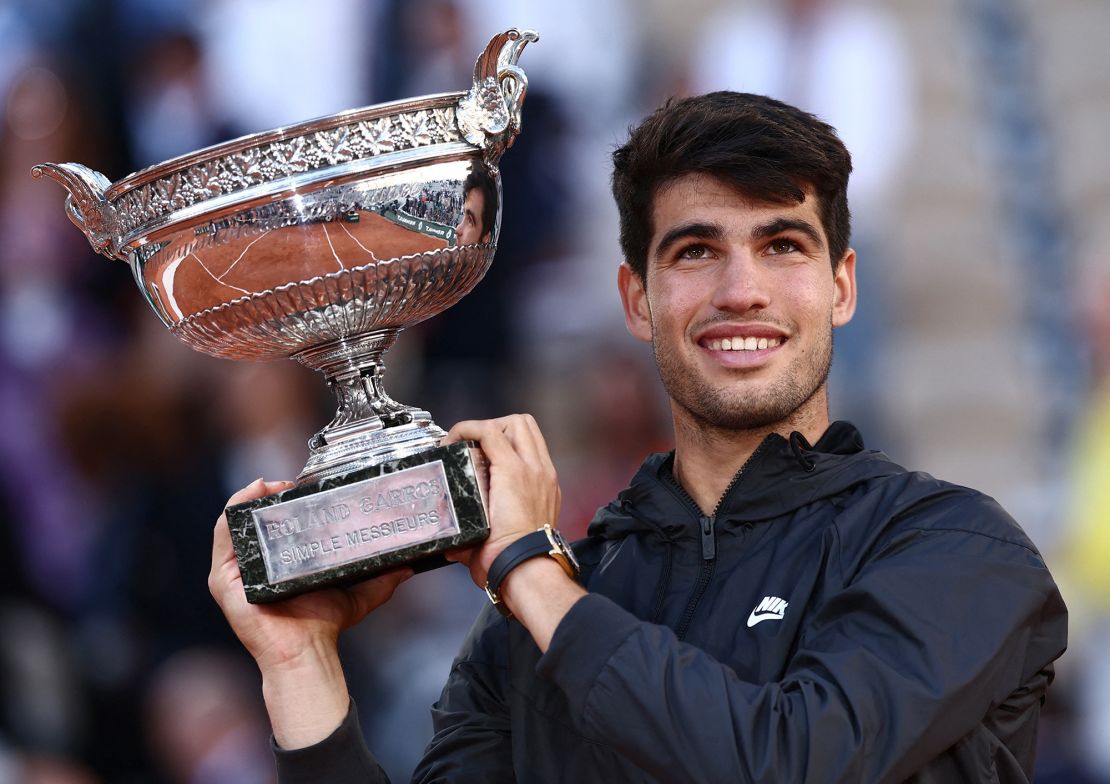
pixel 343 529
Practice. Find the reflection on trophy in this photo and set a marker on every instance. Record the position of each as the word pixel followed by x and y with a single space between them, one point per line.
pixel 322 241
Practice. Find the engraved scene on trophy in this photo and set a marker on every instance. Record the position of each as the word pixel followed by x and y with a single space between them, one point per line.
pixel 370 249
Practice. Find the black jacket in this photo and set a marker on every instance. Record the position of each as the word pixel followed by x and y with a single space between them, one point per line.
pixel 837 619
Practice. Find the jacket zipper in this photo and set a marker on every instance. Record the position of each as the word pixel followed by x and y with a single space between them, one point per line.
pixel 707 525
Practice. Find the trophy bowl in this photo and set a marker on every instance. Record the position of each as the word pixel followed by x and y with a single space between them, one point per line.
pixel 321 241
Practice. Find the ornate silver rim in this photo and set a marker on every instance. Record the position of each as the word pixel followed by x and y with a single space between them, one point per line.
pixel 285 133
pixel 223 204
pixel 231 169
pixel 487 116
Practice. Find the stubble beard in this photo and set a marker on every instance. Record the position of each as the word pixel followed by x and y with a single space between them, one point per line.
pixel 721 408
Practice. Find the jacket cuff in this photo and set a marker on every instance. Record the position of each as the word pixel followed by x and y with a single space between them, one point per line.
pixel 340 757
pixel 584 642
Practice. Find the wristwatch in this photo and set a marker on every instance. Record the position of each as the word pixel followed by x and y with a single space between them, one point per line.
pixel 543 541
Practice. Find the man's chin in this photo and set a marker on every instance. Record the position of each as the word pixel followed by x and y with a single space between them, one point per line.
pixel 739 419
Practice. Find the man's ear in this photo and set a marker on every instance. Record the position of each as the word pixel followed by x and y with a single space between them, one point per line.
pixel 637 314
pixel 844 280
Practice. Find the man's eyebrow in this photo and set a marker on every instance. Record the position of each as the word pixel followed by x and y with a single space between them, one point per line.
pixel 788 224
pixel 701 231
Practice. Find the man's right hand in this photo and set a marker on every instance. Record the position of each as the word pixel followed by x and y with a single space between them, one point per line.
pixel 294 641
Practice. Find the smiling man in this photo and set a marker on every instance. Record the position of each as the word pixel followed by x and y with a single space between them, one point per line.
pixel 770 602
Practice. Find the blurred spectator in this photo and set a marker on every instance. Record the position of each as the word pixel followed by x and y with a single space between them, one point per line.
pixel 20 768
pixel 1086 551
pixel 40 700
pixel 48 332
pixel 283 61
pixel 617 419
pixel 170 108
pixel 205 722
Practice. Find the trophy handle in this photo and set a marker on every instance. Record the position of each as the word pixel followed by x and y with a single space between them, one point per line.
pixel 489 113
pixel 85 205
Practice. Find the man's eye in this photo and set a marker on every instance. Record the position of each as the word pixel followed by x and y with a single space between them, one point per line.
pixel 782 246
pixel 694 252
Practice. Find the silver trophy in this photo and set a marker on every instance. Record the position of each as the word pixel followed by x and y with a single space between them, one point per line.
pixel 321 241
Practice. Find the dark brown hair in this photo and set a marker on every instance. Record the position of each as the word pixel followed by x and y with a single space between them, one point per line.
pixel 767 150
pixel 479 178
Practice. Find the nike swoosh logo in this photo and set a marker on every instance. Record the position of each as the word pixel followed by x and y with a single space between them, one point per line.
pixel 755 617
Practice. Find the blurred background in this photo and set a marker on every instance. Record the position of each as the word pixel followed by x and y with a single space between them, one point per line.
pixel 981 352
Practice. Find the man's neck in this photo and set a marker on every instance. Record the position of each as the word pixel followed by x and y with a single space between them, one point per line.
pixel 707 459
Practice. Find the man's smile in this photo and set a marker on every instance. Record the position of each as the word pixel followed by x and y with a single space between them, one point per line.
pixel 741 344
pixel 738 343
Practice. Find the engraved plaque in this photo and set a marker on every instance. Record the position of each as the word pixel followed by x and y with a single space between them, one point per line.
pixel 348 523
pixel 343 529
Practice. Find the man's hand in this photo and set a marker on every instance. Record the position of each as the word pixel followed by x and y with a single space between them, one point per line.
pixel 523 495
pixel 294 641
pixel 524 488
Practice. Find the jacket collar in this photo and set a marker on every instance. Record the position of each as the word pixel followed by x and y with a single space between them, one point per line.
pixel 783 475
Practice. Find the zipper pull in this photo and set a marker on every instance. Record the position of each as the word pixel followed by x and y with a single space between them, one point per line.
pixel 708 540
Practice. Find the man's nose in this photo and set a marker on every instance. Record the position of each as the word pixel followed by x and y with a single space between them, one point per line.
pixel 742 284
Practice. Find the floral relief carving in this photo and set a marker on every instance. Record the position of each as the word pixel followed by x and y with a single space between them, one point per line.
pixel 292 155
pixel 417 128
pixel 377 135
pixel 275 160
pixel 205 180
pixel 335 145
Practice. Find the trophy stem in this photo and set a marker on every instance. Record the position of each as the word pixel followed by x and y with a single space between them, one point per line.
pixel 369 426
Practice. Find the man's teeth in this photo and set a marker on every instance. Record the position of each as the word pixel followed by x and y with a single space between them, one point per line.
pixel 743 344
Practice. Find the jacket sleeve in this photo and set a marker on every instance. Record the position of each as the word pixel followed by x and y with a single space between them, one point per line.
pixel 903 661
pixel 340 758
pixel 472 741
pixel 471 721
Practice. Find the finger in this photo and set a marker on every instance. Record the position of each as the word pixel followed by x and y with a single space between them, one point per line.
pixel 490 435
pixel 221 541
pixel 223 552
pixel 223 562
pixel 524 433
pixel 519 430
pixel 255 489
pixel 370 594
pixel 471 429
pixel 540 445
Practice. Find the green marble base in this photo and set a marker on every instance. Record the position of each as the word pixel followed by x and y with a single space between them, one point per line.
pixel 347 528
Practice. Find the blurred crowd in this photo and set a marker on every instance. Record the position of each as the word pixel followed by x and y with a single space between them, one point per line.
pixel 119 446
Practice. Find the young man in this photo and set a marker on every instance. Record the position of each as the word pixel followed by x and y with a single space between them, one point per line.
pixel 479 209
pixel 770 602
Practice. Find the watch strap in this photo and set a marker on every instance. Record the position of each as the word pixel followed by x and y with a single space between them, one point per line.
pixel 528 546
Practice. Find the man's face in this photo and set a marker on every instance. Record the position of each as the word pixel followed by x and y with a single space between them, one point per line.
pixel 739 304
pixel 470 229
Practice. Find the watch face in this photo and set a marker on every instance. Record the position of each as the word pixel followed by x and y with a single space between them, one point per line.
pixel 561 544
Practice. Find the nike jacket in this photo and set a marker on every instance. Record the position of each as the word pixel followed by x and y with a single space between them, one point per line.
pixel 836 619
